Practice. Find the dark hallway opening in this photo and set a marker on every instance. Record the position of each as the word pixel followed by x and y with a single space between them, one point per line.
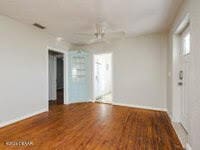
pixel 56 78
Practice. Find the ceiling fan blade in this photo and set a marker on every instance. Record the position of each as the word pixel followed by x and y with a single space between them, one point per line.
pixel 85 34
pixel 95 41
pixel 115 35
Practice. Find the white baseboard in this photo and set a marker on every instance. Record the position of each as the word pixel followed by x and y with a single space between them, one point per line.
pixel 91 100
pixel 76 102
pixel 188 147
pixel 138 106
pixel 170 116
pixel 3 124
pixel 173 120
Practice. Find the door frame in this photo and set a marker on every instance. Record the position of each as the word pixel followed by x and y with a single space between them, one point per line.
pixel 65 75
pixel 86 81
pixel 176 46
pixel 185 60
pixel 93 74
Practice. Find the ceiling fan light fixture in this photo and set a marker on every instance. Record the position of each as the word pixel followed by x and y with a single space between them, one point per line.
pixel 39 26
pixel 99 36
pixel 59 39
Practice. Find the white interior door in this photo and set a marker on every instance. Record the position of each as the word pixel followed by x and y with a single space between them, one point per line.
pixel 52 77
pixel 185 93
pixel 185 79
pixel 98 77
pixel 103 75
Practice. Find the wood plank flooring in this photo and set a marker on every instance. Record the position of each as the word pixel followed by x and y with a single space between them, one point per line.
pixel 93 126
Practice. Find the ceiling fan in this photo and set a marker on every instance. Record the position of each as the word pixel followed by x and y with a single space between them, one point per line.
pixel 100 35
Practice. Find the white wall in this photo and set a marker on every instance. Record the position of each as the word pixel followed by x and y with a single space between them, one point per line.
pixel 24 70
pixel 139 69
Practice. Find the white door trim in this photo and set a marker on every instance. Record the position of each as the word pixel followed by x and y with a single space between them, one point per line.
pixel 176 49
pixel 185 65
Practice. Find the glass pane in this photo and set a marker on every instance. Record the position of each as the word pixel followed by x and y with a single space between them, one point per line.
pixel 186 48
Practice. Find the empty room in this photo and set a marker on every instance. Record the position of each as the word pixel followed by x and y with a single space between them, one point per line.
pixel 99 74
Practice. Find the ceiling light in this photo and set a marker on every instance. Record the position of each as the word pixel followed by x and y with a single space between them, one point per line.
pixel 59 38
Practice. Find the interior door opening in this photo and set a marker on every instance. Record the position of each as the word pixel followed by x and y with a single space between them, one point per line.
pixel 78 76
pixel 103 78
pixel 56 78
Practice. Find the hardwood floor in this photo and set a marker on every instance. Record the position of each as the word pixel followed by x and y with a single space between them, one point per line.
pixel 92 126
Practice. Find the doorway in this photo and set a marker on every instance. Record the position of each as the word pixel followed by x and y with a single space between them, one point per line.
pixel 103 78
pixel 56 78
pixel 78 76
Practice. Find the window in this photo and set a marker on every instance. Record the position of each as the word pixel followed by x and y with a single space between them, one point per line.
pixel 186 42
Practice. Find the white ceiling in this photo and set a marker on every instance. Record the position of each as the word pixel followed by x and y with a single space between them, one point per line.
pixel 64 18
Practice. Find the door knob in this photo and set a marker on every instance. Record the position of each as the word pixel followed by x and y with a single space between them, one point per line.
pixel 180 83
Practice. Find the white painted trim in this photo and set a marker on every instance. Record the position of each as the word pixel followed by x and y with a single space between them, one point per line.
pixel 3 124
pixel 188 146
pixel 176 99
pixel 91 100
pixel 65 53
pixel 113 75
pixel 93 78
pixel 184 22
pixel 171 117
pixel 139 106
